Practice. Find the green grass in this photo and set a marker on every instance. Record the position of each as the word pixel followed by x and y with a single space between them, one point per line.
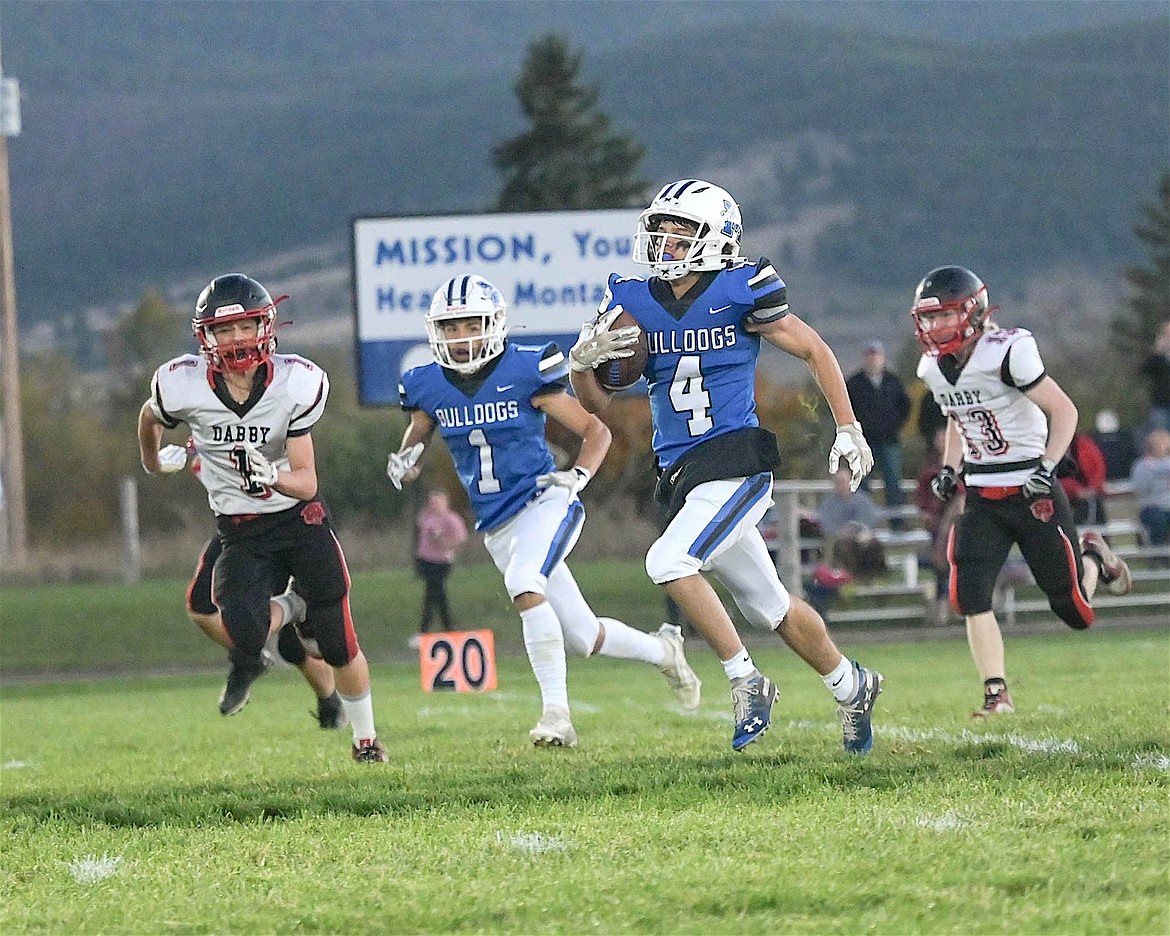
pixel 102 627
pixel 1054 820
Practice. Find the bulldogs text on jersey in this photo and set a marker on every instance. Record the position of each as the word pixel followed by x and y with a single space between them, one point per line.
pixel 493 432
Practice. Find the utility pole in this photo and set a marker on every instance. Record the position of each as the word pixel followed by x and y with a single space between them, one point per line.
pixel 15 509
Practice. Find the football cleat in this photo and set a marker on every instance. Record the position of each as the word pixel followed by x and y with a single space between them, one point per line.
pixel 238 690
pixel 1115 574
pixel 330 712
pixel 679 675
pixel 856 714
pixel 554 729
pixel 751 698
pixel 996 700
pixel 369 751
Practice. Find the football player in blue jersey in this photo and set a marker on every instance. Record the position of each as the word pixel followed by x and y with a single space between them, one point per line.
pixel 704 313
pixel 489 398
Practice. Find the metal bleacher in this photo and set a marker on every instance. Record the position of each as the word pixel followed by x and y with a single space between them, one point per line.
pixel 905 595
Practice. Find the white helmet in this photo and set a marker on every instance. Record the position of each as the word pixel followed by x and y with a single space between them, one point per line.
pixel 707 206
pixel 467 297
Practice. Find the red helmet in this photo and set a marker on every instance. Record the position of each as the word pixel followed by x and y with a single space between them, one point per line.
pixel 945 290
pixel 232 298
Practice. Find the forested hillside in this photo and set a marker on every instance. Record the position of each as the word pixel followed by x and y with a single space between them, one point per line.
pixel 168 141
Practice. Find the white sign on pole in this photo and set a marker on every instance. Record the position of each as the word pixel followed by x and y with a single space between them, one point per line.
pixel 552 268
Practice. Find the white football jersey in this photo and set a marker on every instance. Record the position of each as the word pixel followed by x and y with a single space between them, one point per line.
pixel 1004 432
pixel 182 391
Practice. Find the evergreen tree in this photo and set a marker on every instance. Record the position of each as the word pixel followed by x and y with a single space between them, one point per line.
pixel 1149 305
pixel 569 158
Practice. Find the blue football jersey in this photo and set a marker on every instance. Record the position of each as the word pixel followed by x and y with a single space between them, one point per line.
pixel 702 365
pixel 494 433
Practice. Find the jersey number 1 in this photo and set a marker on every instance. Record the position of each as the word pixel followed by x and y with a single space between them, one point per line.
pixel 488 483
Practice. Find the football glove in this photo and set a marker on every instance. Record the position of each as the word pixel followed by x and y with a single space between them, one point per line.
pixel 260 470
pixel 1040 481
pixel 574 479
pixel 401 462
pixel 171 458
pixel 850 445
pixel 945 484
pixel 597 344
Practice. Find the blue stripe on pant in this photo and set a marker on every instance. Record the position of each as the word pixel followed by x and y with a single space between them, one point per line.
pixel 744 498
pixel 564 537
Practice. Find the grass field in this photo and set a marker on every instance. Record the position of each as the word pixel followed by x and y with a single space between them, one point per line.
pixel 130 806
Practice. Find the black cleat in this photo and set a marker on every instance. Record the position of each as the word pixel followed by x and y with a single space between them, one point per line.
pixel 330 712
pixel 239 685
pixel 370 752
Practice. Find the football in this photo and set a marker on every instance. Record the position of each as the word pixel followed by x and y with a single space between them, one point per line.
pixel 624 372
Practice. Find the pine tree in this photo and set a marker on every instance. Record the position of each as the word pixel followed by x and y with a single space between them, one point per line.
pixel 1149 304
pixel 569 158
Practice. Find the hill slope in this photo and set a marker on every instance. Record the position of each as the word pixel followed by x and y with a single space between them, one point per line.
pixel 170 141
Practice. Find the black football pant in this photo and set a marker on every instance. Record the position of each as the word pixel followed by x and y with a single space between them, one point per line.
pixel 1047 537
pixel 259 550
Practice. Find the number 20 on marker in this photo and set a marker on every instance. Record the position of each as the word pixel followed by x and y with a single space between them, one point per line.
pixel 458 661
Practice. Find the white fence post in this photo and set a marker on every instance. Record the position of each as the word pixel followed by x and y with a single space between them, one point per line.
pixel 788 537
pixel 132 565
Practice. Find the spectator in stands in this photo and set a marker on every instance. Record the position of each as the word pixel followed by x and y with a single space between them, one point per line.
pixel 848 519
pixel 1115 444
pixel 1156 369
pixel 882 406
pixel 1151 484
pixel 1084 481
pixel 439 532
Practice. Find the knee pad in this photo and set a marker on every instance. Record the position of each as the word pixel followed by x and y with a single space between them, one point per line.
pixel 289 646
pixel 581 635
pixel 327 625
pixel 520 579
pixel 1077 614
pixel 664 563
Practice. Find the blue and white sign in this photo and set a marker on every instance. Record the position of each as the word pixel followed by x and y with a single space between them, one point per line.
pixel 551 266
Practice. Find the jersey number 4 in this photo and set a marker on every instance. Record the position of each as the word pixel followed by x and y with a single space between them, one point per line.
pixel 688 395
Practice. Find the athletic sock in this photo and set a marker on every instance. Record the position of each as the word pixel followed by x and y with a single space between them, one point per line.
pixel 546 653
pixel 739 665
pixel 626 643
pixel 360 712
pixel 841 681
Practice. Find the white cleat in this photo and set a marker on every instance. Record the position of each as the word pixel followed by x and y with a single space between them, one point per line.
pixel 679 675
pixel 554 729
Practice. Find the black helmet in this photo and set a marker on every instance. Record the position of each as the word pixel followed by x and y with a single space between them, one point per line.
pixel 949 289
pixel 229 298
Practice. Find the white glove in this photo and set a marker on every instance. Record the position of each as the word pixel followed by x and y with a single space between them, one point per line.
pixel 850 444
pixel 401 462
pixel 597 344
pixel 171 458
pixel 260 469
pixel 574 479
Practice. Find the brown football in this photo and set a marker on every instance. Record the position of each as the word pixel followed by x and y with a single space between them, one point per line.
pixel 624 372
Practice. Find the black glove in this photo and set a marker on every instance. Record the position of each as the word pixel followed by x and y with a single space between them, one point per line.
pixel 1040 481
pixel 944 484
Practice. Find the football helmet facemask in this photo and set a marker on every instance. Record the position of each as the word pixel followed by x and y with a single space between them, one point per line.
pixel 713 213
pixel 230 298
pixel 949 289
pixel 467 297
